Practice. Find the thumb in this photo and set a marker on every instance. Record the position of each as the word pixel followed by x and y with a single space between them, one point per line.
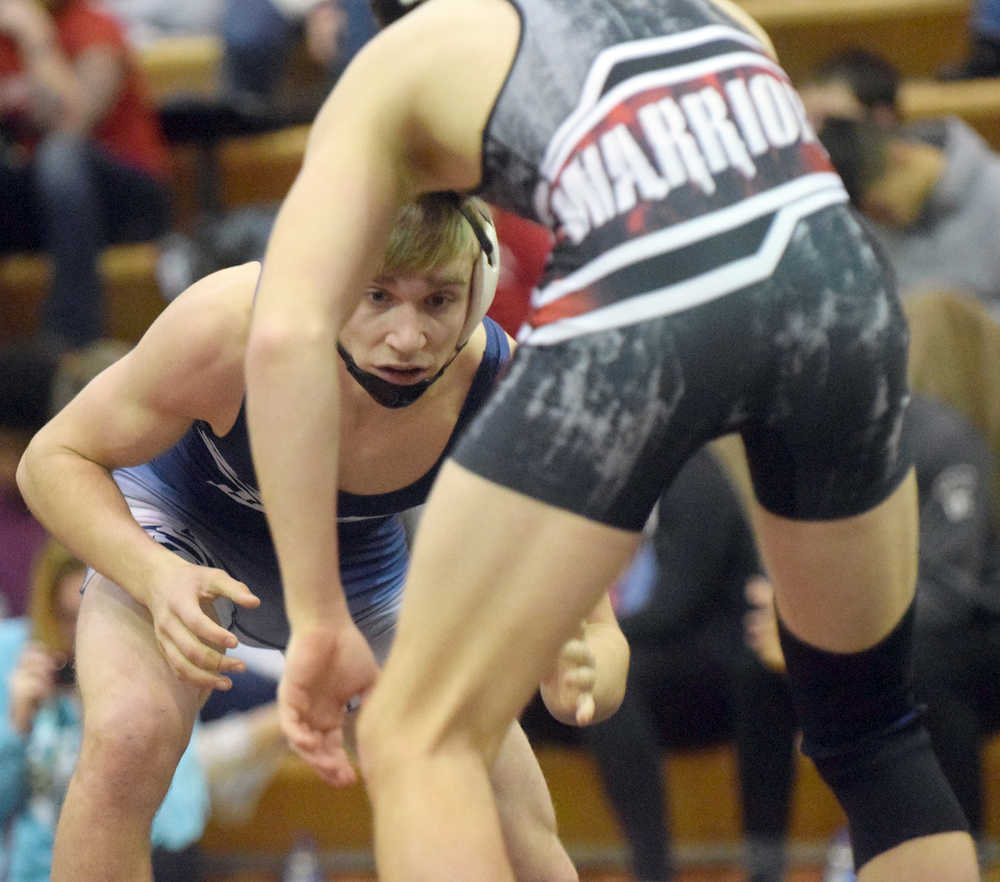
pixel 585 709
pixel 237 592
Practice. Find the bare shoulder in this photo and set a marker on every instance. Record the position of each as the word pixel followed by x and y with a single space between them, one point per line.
pixel 192 355
pixel 428 83
pixel 217 308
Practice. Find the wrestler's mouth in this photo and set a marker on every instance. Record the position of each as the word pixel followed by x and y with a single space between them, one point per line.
pixel 401 375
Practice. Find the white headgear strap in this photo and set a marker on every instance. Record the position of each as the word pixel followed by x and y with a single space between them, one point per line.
pixel 485 272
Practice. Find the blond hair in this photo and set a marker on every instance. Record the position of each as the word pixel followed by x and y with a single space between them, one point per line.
pixel 430 232
pixel 52 562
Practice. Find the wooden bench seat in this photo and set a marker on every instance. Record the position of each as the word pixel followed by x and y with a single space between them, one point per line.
pixel 702 803
pixel 703 807
pixel 132 298
pixel 182 65
pixel 918 36
pixel 975 101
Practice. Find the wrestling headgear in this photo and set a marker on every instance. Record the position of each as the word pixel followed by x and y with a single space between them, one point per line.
pixel 482 289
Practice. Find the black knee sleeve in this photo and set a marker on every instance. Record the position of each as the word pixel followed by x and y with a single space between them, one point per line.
pixel 863 731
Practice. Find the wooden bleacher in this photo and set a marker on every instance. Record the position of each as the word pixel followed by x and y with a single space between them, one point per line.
pixel 918 36
pixel 702 803
pixel 255 168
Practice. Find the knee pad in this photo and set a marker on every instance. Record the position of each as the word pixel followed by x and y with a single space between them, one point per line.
pixel 863 730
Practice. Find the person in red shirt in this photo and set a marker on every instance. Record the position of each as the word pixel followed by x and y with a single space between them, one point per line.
pixel 524 248
pixel 82 160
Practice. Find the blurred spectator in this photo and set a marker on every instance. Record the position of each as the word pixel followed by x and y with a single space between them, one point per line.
pixel 852 84
pixel 35 381
pixel 524 248
pixel 147 21
pixel 957 637
pixel 933 199
pixel 82 160
pixel 40 732
pixel 692 681
pixel 983 58
pixel 260 35
pixel 27 372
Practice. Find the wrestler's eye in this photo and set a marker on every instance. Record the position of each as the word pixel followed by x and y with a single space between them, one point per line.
pixel 379 296
pixel 440 300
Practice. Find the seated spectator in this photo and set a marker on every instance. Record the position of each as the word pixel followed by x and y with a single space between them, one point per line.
pixel 82 160
pixel 148 21
pixel 983 58
pixel 40 730
pixel 933 199
pixel 27 371
pixel 35 382
pixel 259 36
pixel 692 681
pixel 524 248
pixel 852 84
pixel 957 637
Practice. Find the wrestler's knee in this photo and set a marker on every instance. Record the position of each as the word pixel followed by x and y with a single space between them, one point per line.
pixel 864 733
pixel 130 750
pixel 391 735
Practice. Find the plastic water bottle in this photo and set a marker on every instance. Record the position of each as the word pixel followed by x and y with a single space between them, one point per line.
pixel 303 863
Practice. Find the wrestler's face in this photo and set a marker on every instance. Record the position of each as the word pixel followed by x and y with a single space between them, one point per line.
pixel 407 325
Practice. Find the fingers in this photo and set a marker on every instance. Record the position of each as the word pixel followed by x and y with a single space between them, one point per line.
pixel 759 591
pixel 235 591
pixel 195 660
pixel 585 708
pixel 323 750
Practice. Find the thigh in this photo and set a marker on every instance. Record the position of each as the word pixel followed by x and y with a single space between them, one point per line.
pixel 498 582
pixel 123 677
pixel 843 584
pixel 825 432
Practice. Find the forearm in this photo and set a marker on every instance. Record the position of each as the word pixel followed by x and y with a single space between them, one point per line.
pixel 292 390
pixel 293 402
pixel 79 503
pixel 319 258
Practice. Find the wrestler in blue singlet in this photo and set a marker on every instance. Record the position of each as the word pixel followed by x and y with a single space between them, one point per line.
pixel 201 500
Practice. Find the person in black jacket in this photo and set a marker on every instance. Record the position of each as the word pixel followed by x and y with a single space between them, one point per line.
pixel 956 653
pixel 692 680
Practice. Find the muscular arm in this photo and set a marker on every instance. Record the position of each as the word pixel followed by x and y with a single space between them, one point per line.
pixel 374 145
pixel 183 369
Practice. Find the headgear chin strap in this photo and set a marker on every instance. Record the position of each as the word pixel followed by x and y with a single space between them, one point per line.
pixel 482 289
pixel 388 394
